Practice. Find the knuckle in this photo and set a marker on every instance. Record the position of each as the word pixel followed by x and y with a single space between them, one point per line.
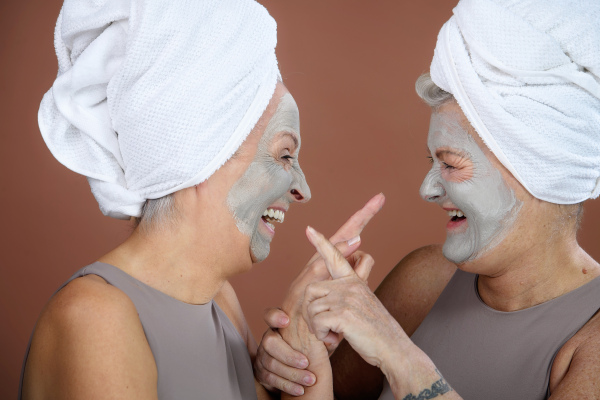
pixel 269 363
pixel 268 340
pixel 271 380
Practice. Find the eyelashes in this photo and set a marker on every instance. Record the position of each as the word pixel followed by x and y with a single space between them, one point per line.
pixel 444 164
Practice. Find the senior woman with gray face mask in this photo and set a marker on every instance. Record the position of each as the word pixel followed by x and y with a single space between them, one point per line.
pixel 176 114
pixel 507 307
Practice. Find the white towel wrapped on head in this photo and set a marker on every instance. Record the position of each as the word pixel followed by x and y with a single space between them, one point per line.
pixel 154 96
pixel 526 73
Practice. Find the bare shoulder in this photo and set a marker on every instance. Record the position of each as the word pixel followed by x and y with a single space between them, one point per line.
pixel 228 302
pixel 89 343
pixel 412 287
pixel 576 367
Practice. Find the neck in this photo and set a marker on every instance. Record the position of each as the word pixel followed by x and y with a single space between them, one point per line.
pixel 539 273
pixel 189 264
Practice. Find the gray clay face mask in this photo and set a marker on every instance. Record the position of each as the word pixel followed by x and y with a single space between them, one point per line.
pixel 268 181
pixel 489 206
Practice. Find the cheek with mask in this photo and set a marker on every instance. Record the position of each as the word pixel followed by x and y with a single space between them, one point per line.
pixel 261 196
pixel 482 208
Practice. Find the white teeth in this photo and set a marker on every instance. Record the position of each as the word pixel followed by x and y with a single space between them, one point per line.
pixel 455 213
pixel 276 215
pixel 459 214
pixel 270 225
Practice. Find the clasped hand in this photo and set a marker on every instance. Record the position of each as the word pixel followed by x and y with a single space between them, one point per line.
pixel 329 300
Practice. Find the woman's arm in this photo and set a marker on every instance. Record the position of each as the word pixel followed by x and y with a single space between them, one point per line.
pixel 346 305
pixel 280 367
pixel 576 368
pixel 89 344
pixel 408 292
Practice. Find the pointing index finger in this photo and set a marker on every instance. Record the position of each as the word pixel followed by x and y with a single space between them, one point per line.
pixel 336 264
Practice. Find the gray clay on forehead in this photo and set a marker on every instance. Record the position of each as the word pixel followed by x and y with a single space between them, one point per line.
pixel 485 199
pixel 266 180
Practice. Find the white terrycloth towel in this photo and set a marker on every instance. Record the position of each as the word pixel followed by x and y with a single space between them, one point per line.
pixel 526 73
pixel 154 96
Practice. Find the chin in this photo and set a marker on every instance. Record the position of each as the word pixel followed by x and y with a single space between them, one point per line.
pixel 259 255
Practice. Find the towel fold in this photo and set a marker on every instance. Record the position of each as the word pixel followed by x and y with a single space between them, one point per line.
pixel 154 96
pixel 526 73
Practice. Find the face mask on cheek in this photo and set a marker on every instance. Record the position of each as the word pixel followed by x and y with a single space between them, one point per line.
pixel 489 205
pixel 265 181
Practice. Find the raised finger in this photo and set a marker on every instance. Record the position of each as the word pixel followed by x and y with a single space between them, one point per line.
pixel 336 263
pixel 356 223
pixel 352 228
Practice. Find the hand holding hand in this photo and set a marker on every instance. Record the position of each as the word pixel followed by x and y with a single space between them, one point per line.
pixel 277 364
pixel 346 305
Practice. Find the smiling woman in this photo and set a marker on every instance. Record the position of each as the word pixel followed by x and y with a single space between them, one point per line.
pixel 156 316
pixel 464 182
pixel 261 194
pixel 508 307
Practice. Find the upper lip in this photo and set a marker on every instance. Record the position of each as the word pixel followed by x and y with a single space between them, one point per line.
pixel 278 207
pixel 451 208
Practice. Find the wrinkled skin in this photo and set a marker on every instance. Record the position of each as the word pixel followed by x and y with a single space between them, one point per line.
pixel 273 173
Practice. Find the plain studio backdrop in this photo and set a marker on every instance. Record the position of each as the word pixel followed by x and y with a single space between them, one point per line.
pixel 351 66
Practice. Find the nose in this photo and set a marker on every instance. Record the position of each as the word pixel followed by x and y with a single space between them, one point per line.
pixel 299 189
pixel 431 188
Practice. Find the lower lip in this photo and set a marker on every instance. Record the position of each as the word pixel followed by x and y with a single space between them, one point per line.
pixel 457 224
pixel 270 230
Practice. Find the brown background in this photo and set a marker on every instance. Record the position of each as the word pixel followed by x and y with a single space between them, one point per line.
pixel 351 65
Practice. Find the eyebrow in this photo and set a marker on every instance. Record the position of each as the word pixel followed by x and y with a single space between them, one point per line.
pixel 456 153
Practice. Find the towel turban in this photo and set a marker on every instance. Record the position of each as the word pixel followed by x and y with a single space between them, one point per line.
pixel 154 96
pixel 526 73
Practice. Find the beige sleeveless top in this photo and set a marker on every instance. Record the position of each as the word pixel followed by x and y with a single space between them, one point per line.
pixel 199 354
pixel 488 354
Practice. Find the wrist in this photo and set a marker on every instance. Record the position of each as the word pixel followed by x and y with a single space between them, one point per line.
pixel 408 367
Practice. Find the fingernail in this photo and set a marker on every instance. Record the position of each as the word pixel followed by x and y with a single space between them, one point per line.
pixel 309 380
pixel 299 391
pixel 354 240
pixel 284 320
pixel 303 363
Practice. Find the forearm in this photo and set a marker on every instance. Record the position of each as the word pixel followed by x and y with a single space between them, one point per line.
pixel 415 376
pixel 300 339
pixel 353 377
pixel 323 388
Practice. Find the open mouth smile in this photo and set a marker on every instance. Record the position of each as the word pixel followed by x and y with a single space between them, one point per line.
pixel 271 215
pixel 457 219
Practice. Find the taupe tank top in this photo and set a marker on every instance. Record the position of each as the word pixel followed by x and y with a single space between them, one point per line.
pixel 488 354
pixel 199 354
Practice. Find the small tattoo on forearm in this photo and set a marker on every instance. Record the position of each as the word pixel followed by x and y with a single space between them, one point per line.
pixel 439 387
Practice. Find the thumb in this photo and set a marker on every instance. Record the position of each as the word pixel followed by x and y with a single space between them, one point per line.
pixel 336 264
